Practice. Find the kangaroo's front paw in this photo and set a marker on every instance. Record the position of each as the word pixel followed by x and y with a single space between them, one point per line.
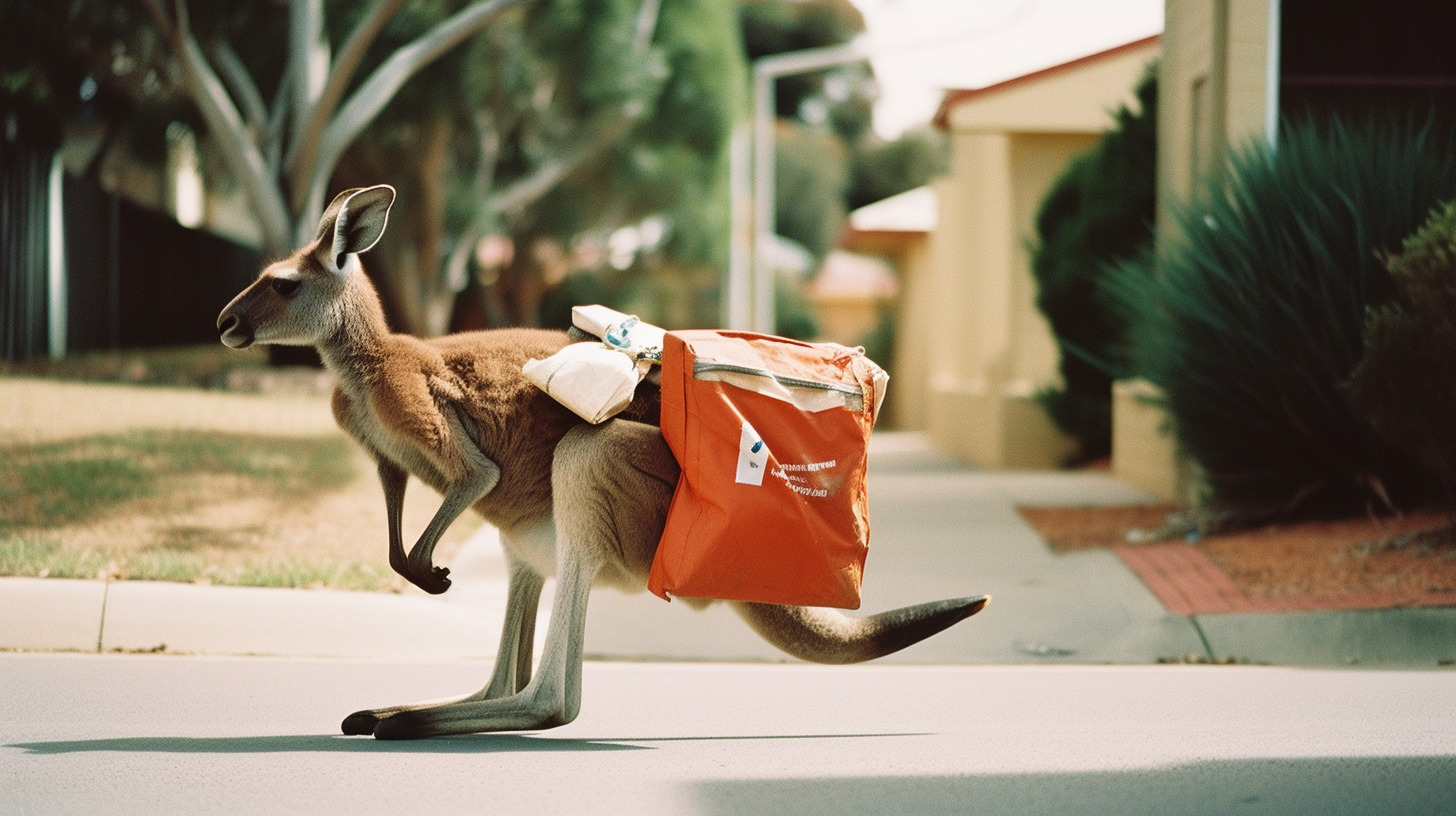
pixel 360 723
pixel 435 582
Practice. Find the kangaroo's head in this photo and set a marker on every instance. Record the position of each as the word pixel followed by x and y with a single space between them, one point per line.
pixel 298 301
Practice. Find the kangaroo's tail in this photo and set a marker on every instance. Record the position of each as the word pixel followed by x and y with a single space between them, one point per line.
pixel 830 636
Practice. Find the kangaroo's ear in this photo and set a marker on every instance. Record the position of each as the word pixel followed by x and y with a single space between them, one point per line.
pixel 353 223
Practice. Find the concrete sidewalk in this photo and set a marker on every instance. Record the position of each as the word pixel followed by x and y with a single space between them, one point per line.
pixel 122 734
pixel 940 530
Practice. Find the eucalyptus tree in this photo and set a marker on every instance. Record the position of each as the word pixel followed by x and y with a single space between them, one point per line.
pixel 282 151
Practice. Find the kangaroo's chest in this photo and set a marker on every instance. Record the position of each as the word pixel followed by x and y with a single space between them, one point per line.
pixel 358 418
pixel 519 437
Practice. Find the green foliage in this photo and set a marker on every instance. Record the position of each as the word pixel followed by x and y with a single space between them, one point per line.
pixel 879 342
pixel 49 50
pixel 793 311
pixel 776 26
pixel 1256 315
pixel 1406 382
pixel 673 162
pixel 812 175
pixel 670 297
pixel 1099 212
pixel 577 289
pixel 879 170
pixel 702 95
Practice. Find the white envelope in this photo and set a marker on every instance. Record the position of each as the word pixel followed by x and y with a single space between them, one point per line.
pixel 592 380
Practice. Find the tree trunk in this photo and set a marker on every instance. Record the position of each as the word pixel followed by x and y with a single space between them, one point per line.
pixel 521 285
pixel 436 301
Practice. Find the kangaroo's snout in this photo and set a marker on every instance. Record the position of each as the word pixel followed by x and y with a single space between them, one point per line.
pixel 234 331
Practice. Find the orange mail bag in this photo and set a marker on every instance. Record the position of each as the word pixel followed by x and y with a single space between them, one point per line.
pixel 772 436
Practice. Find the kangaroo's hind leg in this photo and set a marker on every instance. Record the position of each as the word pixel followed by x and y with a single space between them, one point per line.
pixel 611 487
pixel 513 659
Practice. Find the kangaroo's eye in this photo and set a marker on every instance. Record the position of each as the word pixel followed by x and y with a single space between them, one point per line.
pixel 286 287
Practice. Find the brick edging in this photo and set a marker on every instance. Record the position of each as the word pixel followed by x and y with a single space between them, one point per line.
pixel 1188 582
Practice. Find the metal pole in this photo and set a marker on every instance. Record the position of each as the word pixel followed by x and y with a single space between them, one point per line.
pixel 56 261
pixel 765 71
pixel 762 316
pixel 737 306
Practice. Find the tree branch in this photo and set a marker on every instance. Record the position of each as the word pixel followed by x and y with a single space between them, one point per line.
pixel 240 83
pixel 385 82
pixel 303 151
pixel 225 125
pixel 525 191
pixel 646 24
pixel 305 31
pixel 160 19
pixel 593 139
pixel 596 137
pixel 277 118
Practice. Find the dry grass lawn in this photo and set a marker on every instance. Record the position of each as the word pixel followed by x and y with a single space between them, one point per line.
pixel 189 485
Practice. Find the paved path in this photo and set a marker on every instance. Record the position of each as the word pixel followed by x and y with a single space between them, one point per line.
pixel 123 734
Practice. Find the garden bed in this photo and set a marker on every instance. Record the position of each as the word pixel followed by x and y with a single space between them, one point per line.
pixel 1342 564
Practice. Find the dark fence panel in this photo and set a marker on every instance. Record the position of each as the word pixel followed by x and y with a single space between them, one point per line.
pixel 93 273
pixel 134 277
pixel 174 280
pixel 24 173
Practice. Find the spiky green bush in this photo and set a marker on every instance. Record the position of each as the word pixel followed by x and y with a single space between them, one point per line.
pixel 1099 211
pixel 1406 383
pixel 1254 319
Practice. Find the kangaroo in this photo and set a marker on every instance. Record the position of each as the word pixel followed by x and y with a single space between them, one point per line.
pixel 585 504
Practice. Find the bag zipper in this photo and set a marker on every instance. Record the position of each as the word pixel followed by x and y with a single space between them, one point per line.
pixel 783 379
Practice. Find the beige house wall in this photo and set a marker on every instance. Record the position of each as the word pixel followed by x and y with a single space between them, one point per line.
pixel 969 323
pixel 1213 88
pixel 1216 90
pixel 906 398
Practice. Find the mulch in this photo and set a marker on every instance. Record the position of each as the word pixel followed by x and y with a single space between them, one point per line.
pixel 1346 564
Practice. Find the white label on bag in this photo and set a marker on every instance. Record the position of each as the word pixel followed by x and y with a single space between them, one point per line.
pixel 752 457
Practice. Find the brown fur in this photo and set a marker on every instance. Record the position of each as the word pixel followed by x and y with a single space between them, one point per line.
pixel 584 503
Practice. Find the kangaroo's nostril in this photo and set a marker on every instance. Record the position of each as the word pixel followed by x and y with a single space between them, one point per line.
pixel 234 331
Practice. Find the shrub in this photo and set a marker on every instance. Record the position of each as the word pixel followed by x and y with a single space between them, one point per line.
pixel 1099 211
pixel 1254 320
pixel 1405 385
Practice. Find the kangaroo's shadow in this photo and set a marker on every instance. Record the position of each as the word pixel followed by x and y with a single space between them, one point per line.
pixel 318 743
pixel 321 743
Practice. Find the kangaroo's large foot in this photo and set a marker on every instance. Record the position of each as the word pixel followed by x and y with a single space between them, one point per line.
pixel 359 723
pixel 437 723
pixel 519 712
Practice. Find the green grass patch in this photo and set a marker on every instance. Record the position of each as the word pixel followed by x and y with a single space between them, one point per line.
pixel 30 556
pixel 298 573
pixel 47 558
pixel 56 492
